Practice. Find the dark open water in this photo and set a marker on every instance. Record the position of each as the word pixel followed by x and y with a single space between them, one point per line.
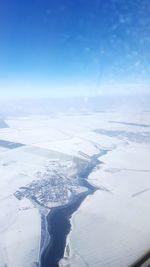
pixel 59 226
pixel 59 220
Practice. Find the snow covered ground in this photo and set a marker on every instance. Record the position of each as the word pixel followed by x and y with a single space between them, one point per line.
pixel 111 228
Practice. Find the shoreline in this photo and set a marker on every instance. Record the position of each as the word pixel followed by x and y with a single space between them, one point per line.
pixel 46 236
pixel 70 207
pixel 47 239
pixel 47 248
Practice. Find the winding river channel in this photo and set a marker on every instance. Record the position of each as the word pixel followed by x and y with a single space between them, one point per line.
pixel 58 220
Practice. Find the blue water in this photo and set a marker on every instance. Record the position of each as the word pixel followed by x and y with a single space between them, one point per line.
pixel 59 218
pixel 59 226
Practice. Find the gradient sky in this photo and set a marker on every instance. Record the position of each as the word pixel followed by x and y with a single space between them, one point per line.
pixel 74 47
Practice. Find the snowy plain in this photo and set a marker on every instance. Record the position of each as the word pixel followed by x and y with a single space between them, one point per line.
pixel 111 228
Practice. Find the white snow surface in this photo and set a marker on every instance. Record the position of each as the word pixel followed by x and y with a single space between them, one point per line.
pixel 111 227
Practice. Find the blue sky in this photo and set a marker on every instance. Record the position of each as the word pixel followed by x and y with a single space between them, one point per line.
pixel 67 47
